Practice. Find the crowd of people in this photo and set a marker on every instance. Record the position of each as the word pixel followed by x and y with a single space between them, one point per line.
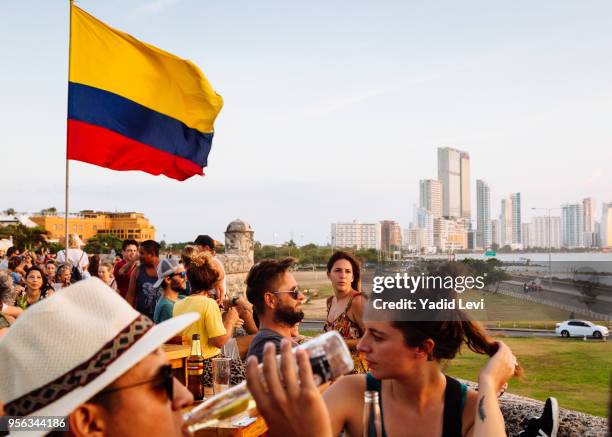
pixel 146 300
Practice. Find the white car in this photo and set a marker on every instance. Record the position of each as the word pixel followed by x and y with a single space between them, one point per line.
pixel 580 328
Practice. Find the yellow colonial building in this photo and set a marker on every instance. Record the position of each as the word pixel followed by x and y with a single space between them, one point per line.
pixel 86 224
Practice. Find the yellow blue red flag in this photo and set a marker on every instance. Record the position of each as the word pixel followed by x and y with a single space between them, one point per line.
pixel 132 106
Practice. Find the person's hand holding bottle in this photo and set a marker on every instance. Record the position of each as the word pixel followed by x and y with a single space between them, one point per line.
pixel 294 406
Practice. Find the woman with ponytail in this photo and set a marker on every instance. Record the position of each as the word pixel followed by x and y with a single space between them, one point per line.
pixel 405 361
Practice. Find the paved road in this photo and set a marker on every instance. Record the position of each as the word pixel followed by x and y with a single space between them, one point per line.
pixel 562 294
pixel 317 325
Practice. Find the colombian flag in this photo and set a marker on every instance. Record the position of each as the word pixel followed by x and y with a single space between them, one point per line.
pixel 132 106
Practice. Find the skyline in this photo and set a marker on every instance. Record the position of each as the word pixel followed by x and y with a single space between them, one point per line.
pixel 332 114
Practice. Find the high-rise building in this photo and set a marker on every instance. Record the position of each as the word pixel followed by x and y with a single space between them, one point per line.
pixel 390 236
pixel 425 220
pixel 515 198
pixel 430 196
pixel 571 225
pixel 495 233
pixel 606 225
pixel 454 175
pixel 356 235
pixel 505 223
pixel 590 237
pixel 527 234
pixel 483 215
pixel 543 227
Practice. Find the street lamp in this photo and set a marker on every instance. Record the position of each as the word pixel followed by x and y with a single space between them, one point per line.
pixel 549 243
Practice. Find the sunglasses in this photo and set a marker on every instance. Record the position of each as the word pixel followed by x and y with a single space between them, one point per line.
pixel 295 293
pixel 164 377
pixel 181 274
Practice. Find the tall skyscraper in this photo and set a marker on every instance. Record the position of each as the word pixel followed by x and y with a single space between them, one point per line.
pixel 430 196
pixel 495 233
pixel 483 215
pixel 543 227
pixel 606 225
pixel 589 207
pixel 515 198
pixel 454 174
pixel 590 237
pixel 356 235
pixel 572 225
pixel 505 223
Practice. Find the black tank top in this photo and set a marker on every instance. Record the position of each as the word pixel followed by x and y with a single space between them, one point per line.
pixel 454 401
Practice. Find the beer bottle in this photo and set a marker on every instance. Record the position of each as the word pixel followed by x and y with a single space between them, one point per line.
pixel 195 369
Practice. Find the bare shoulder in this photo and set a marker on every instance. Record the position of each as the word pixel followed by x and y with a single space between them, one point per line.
pixel 346 387
pixel 469 411
pixel 344 401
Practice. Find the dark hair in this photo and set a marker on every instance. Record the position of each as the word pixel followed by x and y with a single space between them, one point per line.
pixel 205 241
pixel 340 254
pixel 45 284
pixel 51 261
pixel 150 246
pixel 203 272
pixel 94 263
pixel 14 261
pixel 10 251
pixel 264 276
pixel 129 242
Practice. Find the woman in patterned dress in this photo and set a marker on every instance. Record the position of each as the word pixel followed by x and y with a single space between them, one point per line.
pixel 345 307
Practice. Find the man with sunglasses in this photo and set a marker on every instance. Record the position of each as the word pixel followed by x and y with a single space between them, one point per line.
pixel 87 357
pixel 277 301
pixel 173 279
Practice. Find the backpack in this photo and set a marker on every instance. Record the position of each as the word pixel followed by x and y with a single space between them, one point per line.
pixel 75 273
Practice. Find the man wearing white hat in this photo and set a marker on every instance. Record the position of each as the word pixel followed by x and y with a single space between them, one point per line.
pixel 173 277
pixel 86 354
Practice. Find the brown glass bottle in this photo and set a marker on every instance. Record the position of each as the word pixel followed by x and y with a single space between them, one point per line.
pixel 195 369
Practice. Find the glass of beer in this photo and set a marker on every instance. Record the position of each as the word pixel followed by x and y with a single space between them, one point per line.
pixel 221 374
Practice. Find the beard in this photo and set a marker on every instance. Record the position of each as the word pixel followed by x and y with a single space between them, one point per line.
pixel 288 316
pixel 177 287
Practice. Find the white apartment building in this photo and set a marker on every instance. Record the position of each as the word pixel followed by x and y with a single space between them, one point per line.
pixel 355 235
pixel 542 228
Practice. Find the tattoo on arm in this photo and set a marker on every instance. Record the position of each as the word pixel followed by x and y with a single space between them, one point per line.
pixel 481 412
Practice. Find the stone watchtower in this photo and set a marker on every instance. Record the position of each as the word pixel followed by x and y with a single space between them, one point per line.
pixel 238 257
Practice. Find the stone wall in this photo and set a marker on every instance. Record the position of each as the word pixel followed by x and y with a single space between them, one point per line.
pixel 517 409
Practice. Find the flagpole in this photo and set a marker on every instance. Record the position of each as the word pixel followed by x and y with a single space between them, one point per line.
pixel 67 135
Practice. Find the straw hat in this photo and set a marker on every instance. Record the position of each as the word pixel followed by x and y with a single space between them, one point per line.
pixel 68 347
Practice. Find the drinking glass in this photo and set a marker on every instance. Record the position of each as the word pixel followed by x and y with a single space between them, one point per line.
pixel 221 374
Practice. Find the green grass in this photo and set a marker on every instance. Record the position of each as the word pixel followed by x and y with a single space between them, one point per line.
pixel 577 373
pixel 506 308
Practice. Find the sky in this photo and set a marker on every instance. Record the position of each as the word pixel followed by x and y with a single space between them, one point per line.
pixel 333 110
